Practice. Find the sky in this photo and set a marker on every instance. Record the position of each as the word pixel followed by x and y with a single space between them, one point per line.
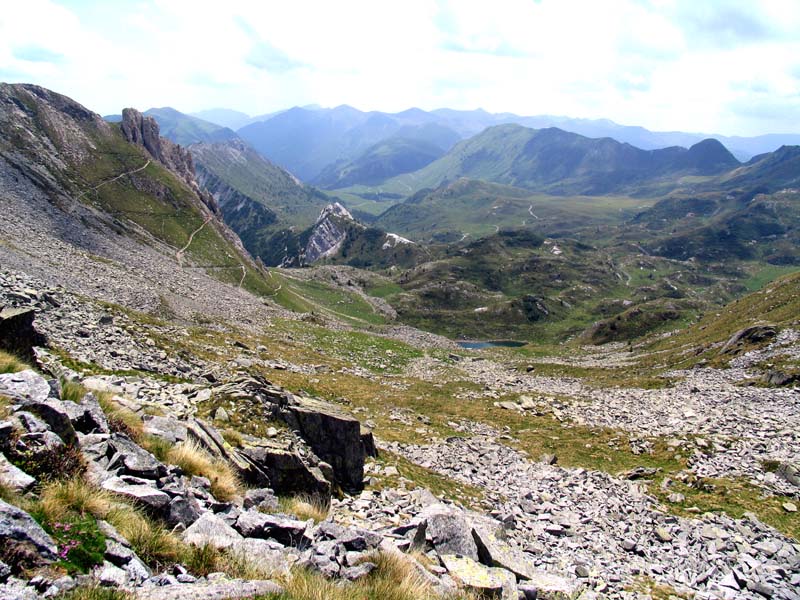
pixel 729 67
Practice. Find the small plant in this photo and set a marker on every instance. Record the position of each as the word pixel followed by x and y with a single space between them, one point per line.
pixel 47 464
pixel 233 437
pixel 80 543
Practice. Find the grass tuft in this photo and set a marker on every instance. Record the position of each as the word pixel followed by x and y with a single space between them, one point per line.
pixel 10 363
pixel 95 592
pixel 193 460
pixel 305 506
pixel 121 419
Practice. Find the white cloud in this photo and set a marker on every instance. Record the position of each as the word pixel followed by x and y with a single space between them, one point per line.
pixel 664 64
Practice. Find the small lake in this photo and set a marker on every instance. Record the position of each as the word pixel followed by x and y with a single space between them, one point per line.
pixel 476 345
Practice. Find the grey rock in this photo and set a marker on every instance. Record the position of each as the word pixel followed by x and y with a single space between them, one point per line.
pixel 182 509
pixel 489 582
pixel 353 539
pixel 25 386
pixel 110 575
pixel 167 428
pixel 211 529
pixel 451 534
pixel 359 571
pixel 335 437
pixel 24 538
pixel 548 586
pixel 132 459
pixel 17 332
pixel 285 530
pixel 286 471
pixel 14 478
pixel 87 417
pixel 790 472
pixel 262 498
pixel 230 590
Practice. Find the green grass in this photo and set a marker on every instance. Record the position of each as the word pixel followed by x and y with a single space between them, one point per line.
pixel 10 363
pixel 767 274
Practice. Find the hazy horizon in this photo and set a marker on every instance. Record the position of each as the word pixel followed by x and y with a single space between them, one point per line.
pixel 726 68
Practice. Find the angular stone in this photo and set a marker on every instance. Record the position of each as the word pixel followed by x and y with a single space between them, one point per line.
pixel 183 510
pixel 87 416
pixel 262 498
pixel 359 571
pixel 13 477
pixel 109 575
pixel 450 534
pixel 134 460
pixel 353 539
pixel 210 529
pixel 495 552
pixel 789 472
pixel 24 539
pixel 269 555
pixel 286 472
pixel 230 590
pixel 146 495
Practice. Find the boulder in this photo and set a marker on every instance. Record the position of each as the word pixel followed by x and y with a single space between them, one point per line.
pixel 211 440
pixel 269 555
pixel 353 539
pixel 13 477
pixel 231 590
pixel 450 533
pixel 183 510
pixel 285 530
pixel 17 333
pixel 24 386
pixel 334 436
pixel 546 586
pixel 749 335
pixel 262 498
pixel 23 541
pixel 211 529
pixel 141 492
pixel 166 428
pixel 789 472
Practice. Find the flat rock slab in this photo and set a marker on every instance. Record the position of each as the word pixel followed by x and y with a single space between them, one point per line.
pixel 487 581
pixel 210 591
pixel 211 529
pixel 497 553
pixel 25 385
pixel 149 496
pixel 553 587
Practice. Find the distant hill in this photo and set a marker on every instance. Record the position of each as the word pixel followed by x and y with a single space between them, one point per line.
pixel 224 117
pixel 183 129
pixel 393 156
pixel 559 162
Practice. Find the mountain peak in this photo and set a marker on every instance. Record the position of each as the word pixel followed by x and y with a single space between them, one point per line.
pixel 335 210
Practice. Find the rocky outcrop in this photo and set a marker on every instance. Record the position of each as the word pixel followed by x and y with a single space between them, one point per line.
pixel 328 233
pixel 23 542
pixel 17 333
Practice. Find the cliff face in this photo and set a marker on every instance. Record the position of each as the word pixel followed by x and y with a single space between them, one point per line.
pixel 144 131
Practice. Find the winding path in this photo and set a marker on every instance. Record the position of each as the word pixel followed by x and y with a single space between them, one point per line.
pixel 179 253
pixel 113 179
